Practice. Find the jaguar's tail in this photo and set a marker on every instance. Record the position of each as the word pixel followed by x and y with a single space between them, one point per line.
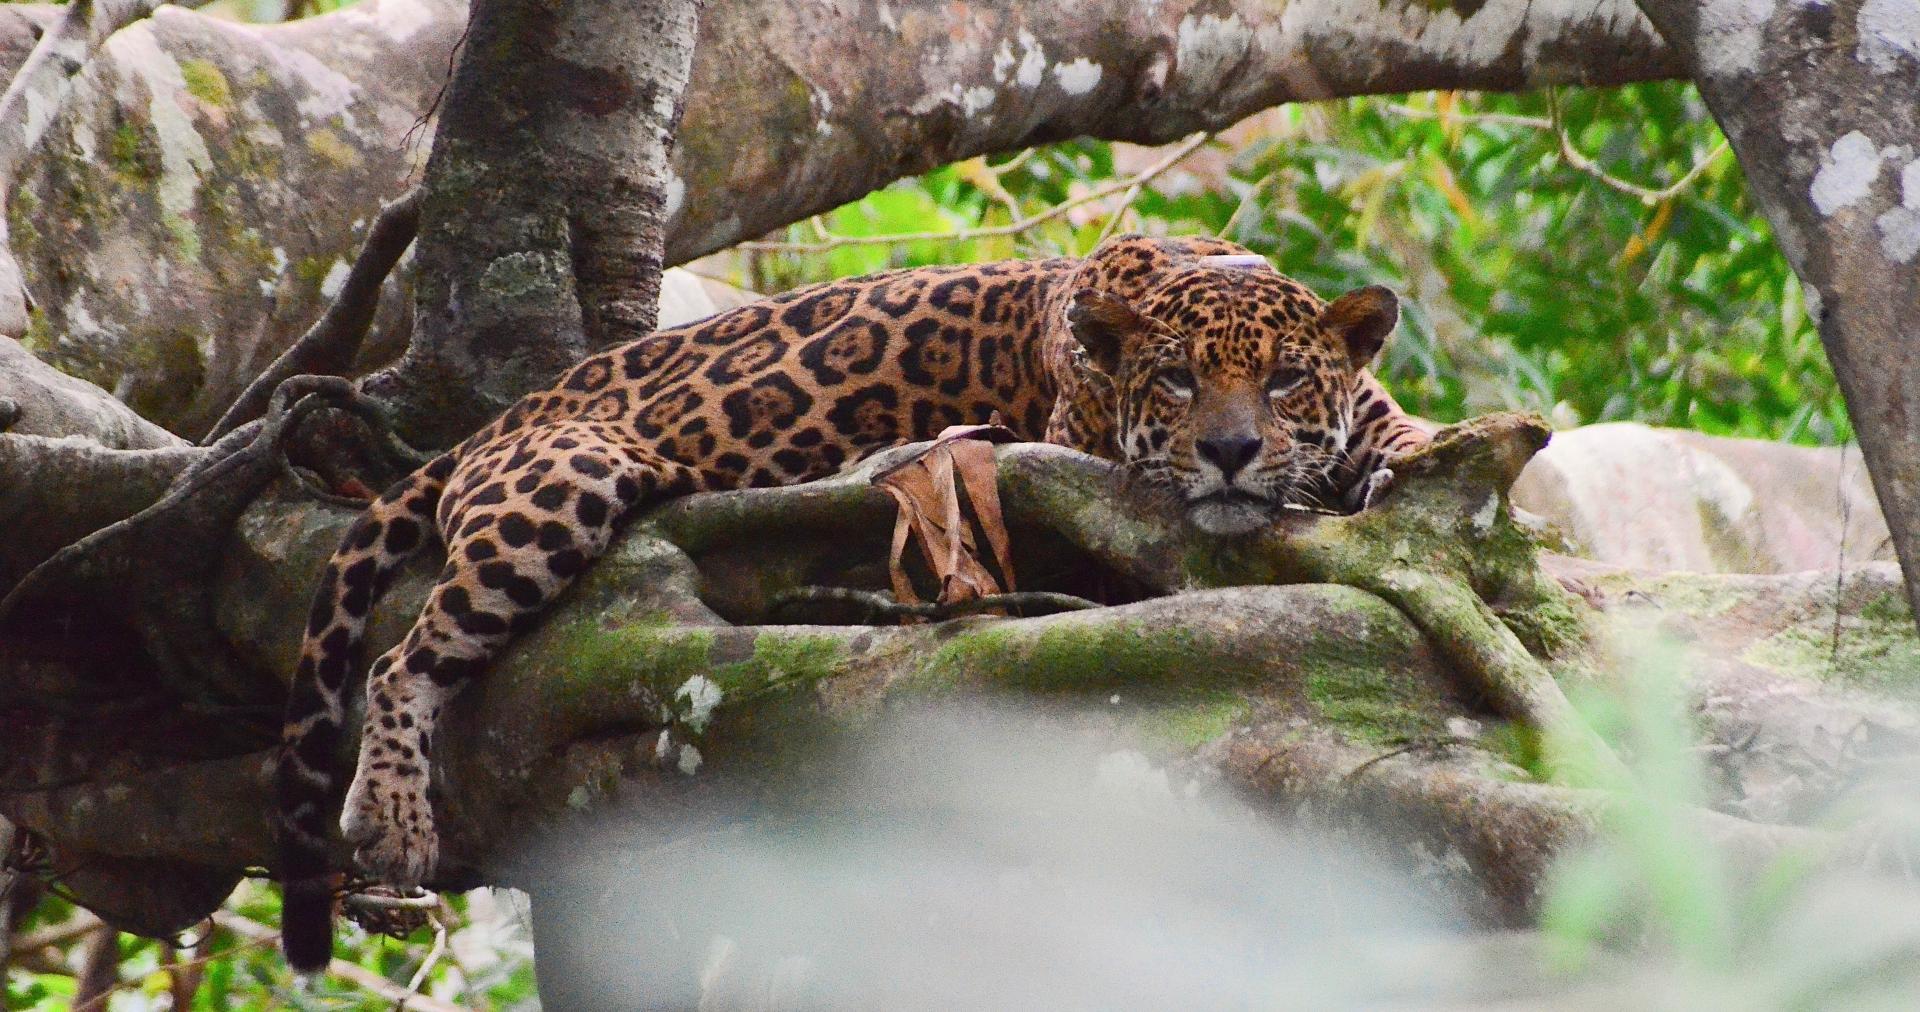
pixel 307 775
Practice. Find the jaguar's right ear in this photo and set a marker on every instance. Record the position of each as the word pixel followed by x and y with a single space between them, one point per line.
pixel 1106 325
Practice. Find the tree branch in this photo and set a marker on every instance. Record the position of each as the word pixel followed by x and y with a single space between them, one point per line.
pixel 543 205
pixel 606 672
pixel 1130 185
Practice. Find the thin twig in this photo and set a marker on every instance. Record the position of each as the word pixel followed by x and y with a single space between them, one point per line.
pixel 1246 201
pixel 433 958
pixel 59 934
pixel 1173 158
pixel 256 934
pixel 986 179
pixel 1419 745
pixel 1572 155
pixel 100 1001
pixel 1489 118
pixel 883 605
pixel 1025 156
pixel 1126 204
pixel 1578 160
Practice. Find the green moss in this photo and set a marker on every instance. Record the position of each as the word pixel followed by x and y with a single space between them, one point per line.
pixel 22 231
pixel 1874 648
pixel 1520 746
pixel 76 189
pixel 39 336
pixel 173 368
pixel 1065 657
pixel 1187 725
pixel 780 660
pixel 206 82
pixel 250 249
pixel 653 652
pixel 1373 705
pixel 134 154
pixel 186 235
pixel 1550 625
pixel 336 152
pixel 312 272
pixel 248 159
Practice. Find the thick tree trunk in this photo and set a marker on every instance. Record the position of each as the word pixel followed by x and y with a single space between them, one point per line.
pixel 1819 103
pixel 541 223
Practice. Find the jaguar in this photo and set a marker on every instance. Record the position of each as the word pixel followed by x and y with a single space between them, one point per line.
pixel 1193 362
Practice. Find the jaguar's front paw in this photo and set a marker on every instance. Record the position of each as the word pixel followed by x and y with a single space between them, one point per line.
pixel 389 823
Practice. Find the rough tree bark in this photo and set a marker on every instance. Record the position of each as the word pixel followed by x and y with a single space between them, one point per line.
pixel 1818 101
pixel 242 163
pixel 542 215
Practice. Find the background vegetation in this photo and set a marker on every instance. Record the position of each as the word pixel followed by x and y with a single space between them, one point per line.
pixel 1532 279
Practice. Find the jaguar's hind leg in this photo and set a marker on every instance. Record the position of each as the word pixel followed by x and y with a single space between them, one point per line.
pixel 515 543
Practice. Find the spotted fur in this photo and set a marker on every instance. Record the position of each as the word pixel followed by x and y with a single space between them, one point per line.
pixel 1233 386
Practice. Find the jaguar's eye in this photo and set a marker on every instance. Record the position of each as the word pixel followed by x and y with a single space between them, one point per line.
pixel 1177 382
pixel 1284 380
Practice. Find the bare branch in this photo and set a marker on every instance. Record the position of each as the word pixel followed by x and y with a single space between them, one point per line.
pixel 1650 197
pixel 1129 186
pixel 881 605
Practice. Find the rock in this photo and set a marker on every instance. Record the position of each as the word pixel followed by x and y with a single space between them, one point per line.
pixel 1669 499
pixel 686 297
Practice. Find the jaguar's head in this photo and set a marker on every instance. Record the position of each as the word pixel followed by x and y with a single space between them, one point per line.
pixel 1233 386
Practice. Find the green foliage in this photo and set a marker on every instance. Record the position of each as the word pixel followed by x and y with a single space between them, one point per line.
pixel 1652 875
pixel 1528 282
pixel 247 974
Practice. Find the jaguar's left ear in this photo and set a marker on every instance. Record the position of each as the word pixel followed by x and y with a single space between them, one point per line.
pixel 1361 320
pixel 1106 325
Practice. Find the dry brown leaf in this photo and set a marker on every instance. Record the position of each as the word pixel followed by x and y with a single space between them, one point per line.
pixel 927 489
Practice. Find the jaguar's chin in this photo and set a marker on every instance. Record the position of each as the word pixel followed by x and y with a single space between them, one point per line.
pixel 1230 512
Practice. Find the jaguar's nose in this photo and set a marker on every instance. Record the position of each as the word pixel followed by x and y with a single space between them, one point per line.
pixel 1230 453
